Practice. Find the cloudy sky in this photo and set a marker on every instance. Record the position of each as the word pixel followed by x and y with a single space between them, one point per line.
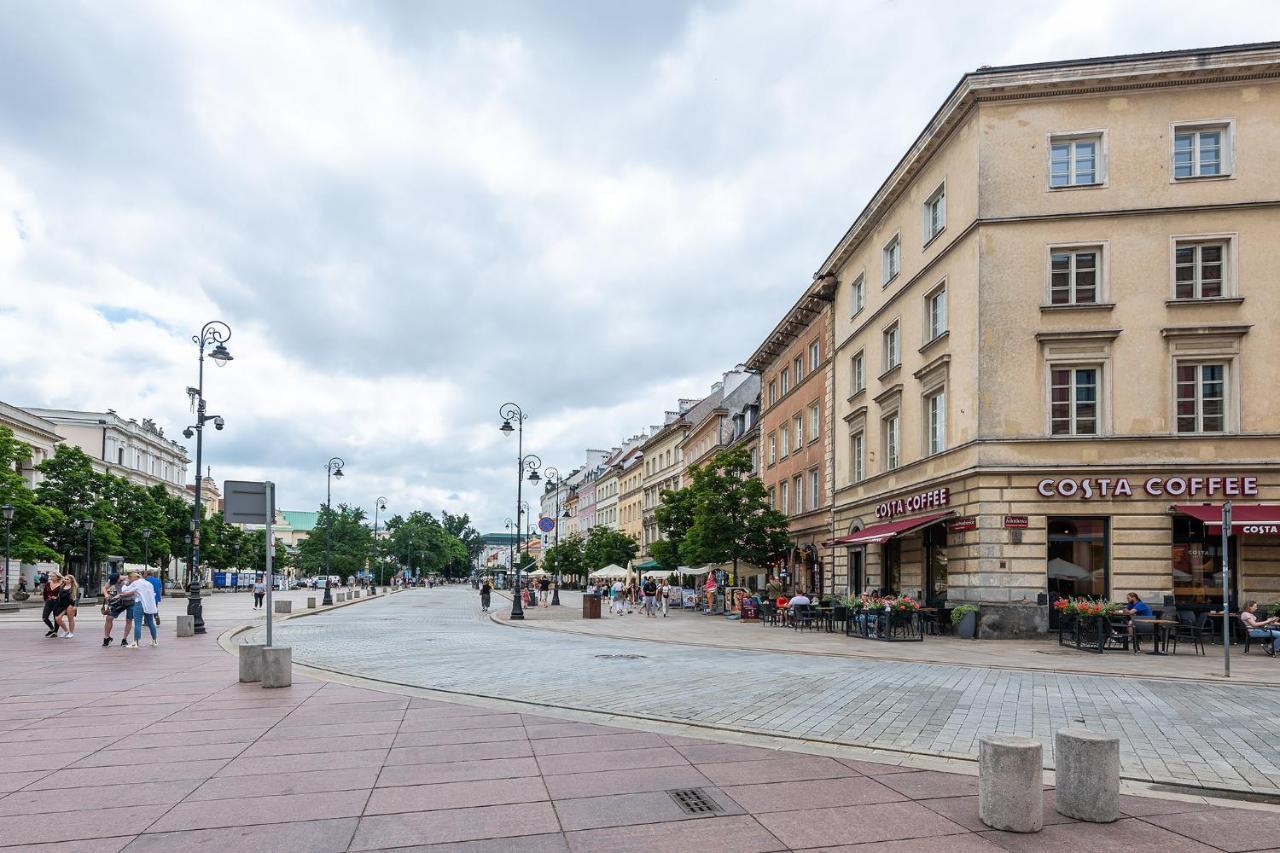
pixel 411 212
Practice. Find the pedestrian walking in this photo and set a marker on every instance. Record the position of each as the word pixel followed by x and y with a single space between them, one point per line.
pixel 144 608
pixel 49 591
pixel 617 591
pixel 650 589
pixel 114 604
pixel 64 611
pixel 485 592
pixel 158 586
pixel 259 590
pixel 664 596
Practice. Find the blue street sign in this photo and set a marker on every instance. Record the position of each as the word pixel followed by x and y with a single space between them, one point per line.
pixel 546 524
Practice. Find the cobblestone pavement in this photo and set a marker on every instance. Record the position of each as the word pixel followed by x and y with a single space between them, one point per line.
pixel 1180 732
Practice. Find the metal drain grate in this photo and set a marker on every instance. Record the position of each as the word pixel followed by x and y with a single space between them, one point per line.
pixel 694 801
pixel 620 657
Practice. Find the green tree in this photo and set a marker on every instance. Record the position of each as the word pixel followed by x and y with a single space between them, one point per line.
pixel 351 542
pixel 605 546
pixel 460 527
pixel 168 539
pixel 31 520
pixel 732 519
pixel 567 558
pixel 72 488
pixel 254 553
pixel 222 545
pixel 674 515
pixel 135 510
pixel 421 542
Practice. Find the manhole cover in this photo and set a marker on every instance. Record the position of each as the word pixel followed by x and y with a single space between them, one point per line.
pixel 694 801
pixel 620 657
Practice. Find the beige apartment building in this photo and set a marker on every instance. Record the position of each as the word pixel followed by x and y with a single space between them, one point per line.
pixel 631 493
pixel 663 469
pixel 1051 351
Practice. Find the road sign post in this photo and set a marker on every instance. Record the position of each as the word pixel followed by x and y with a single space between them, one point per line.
pixel 1226 591
pixel 247 502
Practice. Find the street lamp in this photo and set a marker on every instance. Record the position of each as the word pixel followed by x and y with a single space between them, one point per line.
pixel 332 468
pixel 7 509
pixel 511 550
pixel 215 333
pixel 553 479
pixel 87 524
pixel 511 412
pixel 379 504
pixel 146 547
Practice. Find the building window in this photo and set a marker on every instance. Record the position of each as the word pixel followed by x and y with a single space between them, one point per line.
pixel 1077 558
pixel 891 426
pixel 773 391
pixel 857 457
pixel 815 422
pixel 1073 407
pixel 1198 270
pixel 1201 396
pixel 859 373
pixel 786 381
pixel 935 213
pixel 773 498
pixel 786 441
pixel 1075 161
pixel 936 313
pixel 798 424
pixel 797 365
pixel 1200 151
pixel 773 447
pixel 815 352
pixel 892 348
pixel 814 490
pixel 892 259
pixel 858 293
pixel 798 495
pixel 786 498
pixel 936 422
pixel 1073 276
pixel 1197 562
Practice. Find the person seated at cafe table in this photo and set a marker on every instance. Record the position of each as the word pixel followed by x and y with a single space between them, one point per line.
pixel 799 598
pixel 1137 609
pixel 1264 630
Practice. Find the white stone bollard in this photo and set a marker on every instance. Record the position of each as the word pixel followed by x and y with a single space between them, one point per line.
pixel 1010 783
pixel 1087 775
pixel 284 606
pixel 186 625
pixel 311 603
pixel 277 666
pixel 251 662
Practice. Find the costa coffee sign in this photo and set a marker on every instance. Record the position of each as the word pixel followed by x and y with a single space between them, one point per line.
pixel 914 503
pixel 1156 487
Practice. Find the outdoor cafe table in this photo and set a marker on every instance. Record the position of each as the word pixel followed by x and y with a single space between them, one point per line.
pixel 1161 627
pixel 1216 633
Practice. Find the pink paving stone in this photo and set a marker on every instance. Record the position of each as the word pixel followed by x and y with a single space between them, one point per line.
pixel 452 736
pixel 623 782
pixel 457 771
pixel 91 845
pixel 14 781
pixel 949 844
pixel 632 810
pixel 31 803
pixel 444 711
pixel 551 842
pixel 124 774
pixel 247 811
pixel 161 754
pixel 315 836
pixel 596 743
pixel 25 747
pixel 313 761
pixel 77 825
pixel 964 811
pixel 460 752
pixel 812 794
pixel 473 721
pixel 1233 830
pixel 538 731
pixel 1144 806
pixel 848 824
pixel 40 761
pixel 456 795
pixel 321 716
pixel 872 768
pixel 286 730
pixel 924 784
pixel 704 753
pixel 146 740
pixel 272 784
pixel 709 835
pixel 301 746
pixel 1128 835
pixel 775 770
pixel 622 759
pixel 438 827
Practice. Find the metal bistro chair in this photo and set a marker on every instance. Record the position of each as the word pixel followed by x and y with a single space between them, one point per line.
pixel 804 616
pixel 1187 629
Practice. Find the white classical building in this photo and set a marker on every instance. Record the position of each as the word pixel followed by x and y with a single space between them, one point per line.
pixel 35 432
pixel 138 452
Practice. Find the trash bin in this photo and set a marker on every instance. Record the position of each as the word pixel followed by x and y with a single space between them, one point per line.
pixel 590 607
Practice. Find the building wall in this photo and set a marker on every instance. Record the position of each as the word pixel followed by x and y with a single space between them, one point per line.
pixel 125 448
pixel 631 497
pixel 37 433
pixel 607 499
pixel 663 469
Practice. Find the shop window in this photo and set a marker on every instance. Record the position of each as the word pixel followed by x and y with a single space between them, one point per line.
pixel 1197 564
pixel 1078 558
pixel 892 567
pixel 935 549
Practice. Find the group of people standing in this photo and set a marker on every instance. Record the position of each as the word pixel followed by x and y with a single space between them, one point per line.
pixel 129 594
pixel 650 597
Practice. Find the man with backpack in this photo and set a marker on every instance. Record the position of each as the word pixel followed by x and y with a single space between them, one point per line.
pixel 650 597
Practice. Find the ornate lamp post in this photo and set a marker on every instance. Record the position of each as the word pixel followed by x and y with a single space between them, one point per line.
pixel 553 479
pixel 7 509
pixel 215 333
pixel 509 412
pixel 511 550
pixel 146 547
pixel 332 468
pixel 87 524
pixel 379 504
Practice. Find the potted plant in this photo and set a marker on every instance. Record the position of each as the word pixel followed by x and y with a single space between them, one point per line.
pixel 964 618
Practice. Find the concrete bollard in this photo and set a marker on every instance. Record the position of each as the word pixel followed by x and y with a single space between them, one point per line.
pixel 1010 783
pixel 186 625
pixel 355 593
pixel 1087 775
pixel 311 603
pixel 277 666
pixel 284 606
pixel 251 662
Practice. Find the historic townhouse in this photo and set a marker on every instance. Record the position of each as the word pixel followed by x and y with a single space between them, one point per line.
pixel 1050 343
pixel 663 468
pixel 631 493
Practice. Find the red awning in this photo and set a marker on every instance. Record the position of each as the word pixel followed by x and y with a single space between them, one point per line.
pixel 885 531
pixel 1250 520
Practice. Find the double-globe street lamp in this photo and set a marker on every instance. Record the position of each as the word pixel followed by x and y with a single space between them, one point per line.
pixel 215 333
pixel 332 468
pixel 379 504
pixel 553 479
pixel 531 463
pixel 7 510
pixel 511 550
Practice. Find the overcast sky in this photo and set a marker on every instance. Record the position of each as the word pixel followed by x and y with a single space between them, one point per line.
pixel 411 212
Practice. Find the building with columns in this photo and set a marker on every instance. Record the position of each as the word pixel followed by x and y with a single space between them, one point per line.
pixel 37 433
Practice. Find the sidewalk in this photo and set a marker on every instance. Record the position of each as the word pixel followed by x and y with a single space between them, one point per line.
pixel 689 628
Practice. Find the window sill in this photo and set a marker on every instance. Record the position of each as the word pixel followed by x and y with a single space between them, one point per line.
pixel 890 280
pixel 856 394
pixel 1080 306
pixel 930 241
pixel 1096 185
pixel 888 374
pixel 1212 300
pixel 931 343
pixel 1193 179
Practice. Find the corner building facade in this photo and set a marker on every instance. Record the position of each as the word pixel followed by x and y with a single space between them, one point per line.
pixel 1052 341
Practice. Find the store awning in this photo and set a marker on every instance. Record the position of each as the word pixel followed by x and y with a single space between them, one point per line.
pixel 883 532
pixel 645 564
pixel 1259 520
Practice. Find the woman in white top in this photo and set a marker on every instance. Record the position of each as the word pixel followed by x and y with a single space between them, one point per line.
pixel 1264 630
pixel 144 607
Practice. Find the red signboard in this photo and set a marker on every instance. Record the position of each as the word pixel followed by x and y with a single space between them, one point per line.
pixel 960 525
pixel 1016 522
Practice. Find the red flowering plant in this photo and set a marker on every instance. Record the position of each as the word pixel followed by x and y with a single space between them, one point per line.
pixel 902 604
pixel 1091 607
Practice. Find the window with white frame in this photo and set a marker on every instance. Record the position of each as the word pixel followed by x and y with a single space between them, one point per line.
pixel 798 424
pixel 773 391
pixel 1075 161
pixel 858 293
pixel 797 494
pixel 935 313
pixel 797 365
pixel 815 492
pixel 773 447
pixel 1201 397
pixel 891 430
pixel 1201 151
pixel 815 422
pixel 892 260
pixel 1073 275
pixel 815 352
pixel 785 495
pixel 1199 269
pixel 935 213
pixel 858 367
pixel 1073 400
pixel 753 460
pixel 786 381
pixel 857 456
pixel 785 434
pixel 892 347
pixel 773 498
pixel 935 407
